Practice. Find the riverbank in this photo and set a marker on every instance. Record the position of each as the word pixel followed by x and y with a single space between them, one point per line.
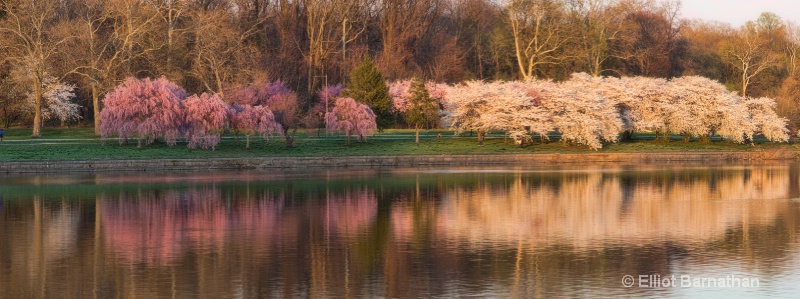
pixel 75 150
pixel 157 165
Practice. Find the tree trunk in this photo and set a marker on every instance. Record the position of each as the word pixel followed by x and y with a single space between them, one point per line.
pixel 96 107
pixel 247 146
pixel 289 140
pixel 348 139
pixel 745 82
pixel 627 135
pixel 417 134
pixel 37 116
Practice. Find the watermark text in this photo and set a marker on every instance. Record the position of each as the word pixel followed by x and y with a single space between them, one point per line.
pixel 656 281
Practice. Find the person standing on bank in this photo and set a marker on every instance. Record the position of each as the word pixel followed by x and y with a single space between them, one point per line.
pixel 1 134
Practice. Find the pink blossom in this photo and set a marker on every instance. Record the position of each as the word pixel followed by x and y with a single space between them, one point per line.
pixel 400 94
pixel 206 116
pixel 253 119
pixel 145 109
pixel 352 118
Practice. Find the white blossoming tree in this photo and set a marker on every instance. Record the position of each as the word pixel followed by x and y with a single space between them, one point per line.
pixel 57 101
pixel 706 107
pixel 765 120
pixel 580 115
pixel 642 103
pixel 483 107
pixel 592 110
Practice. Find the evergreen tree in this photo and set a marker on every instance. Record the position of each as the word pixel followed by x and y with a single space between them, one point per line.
pixel 423 109
pixel 367 86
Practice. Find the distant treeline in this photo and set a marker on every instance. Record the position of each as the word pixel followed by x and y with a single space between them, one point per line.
pixel 217 46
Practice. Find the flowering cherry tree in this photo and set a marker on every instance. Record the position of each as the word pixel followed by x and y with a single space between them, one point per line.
pixel 580 115
pixel 399 92
pixel 330 92
pixel 145 109
pixel 206 116
pixel 592 110
pixel 57 101
pixel 251 120
pixel 276 96
pixel 315 116
pixel 691 106
pixel 486 106
pixel 438 91
pixel 412 100
pixel 708 108
pixel 352 118
pixel 765 120
pixel 643 104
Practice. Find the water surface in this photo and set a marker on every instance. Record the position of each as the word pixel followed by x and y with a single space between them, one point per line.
pixel 555 231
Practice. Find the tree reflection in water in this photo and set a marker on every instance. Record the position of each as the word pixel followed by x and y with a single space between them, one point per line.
pixel 565 231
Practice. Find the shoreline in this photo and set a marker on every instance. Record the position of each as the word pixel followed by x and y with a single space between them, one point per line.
pixel 323 162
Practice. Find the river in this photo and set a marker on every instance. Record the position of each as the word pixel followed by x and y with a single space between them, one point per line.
pixel 598 230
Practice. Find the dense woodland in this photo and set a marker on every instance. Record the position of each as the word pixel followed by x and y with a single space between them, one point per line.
pixel 88 47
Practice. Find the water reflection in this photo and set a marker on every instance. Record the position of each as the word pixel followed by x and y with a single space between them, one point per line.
pixel 523 232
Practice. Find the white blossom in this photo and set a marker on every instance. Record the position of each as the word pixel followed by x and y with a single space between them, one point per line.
pixel 57 101
pixel 592 110
pixel 765 120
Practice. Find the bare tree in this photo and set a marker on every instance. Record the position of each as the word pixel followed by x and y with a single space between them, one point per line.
pixel 112 36
pixel 598 23
pixel 216 50
pixel 329 25
pixel 27 31
pixel 403 25
pixel 538 30
pixel 649 43
pixel 791 47
pixel 475 21
pixel 749 54
pixel 173 18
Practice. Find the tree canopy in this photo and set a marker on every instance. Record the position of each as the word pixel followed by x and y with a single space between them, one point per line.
pixel 221 46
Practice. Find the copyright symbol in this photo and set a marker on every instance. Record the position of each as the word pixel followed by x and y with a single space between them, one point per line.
pixel 627 281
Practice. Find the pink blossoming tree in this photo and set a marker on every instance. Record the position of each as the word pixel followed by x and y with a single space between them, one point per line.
pixel 414 103
pixel 251 120
pixel 206 116
pixel 315 116
pixel 145 109
pixel 352 118
pixel 400 92
pixel 281 101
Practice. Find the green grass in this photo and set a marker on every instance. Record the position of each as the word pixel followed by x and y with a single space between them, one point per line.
pixel 81 144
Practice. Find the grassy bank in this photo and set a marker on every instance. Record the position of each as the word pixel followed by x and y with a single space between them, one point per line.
pixel 80 144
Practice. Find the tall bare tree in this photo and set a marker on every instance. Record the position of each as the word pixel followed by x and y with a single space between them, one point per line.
pixel 748 52
pixel 330 25
pixel 222 53
pixel 539 32
pixel 29 40
pixel 403 25
pixel 598 23
pixel 113 34
pixel 649 43
pixel 791 47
